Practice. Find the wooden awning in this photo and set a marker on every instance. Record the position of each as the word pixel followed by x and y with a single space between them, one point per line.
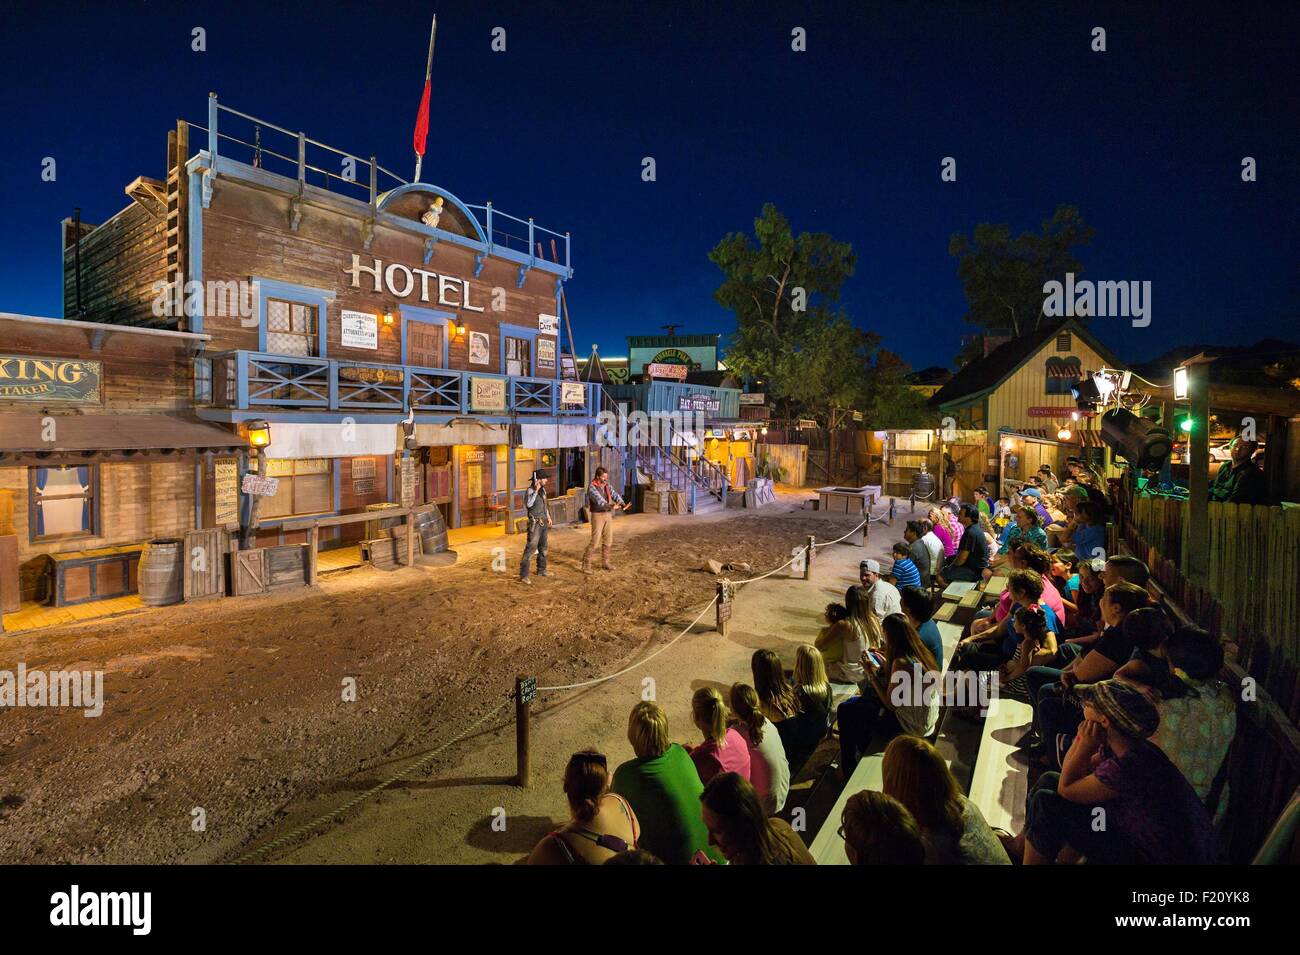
pixel 29 433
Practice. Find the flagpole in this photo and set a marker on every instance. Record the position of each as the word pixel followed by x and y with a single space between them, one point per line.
pixel 428 72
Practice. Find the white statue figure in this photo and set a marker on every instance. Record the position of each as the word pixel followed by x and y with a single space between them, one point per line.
pixel 431 217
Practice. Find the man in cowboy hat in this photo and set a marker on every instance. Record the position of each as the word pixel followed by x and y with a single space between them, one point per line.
pixel 539 520
pixel 602 501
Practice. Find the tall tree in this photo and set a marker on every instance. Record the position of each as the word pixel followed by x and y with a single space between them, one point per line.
pixel 791 336
pixel 1002 277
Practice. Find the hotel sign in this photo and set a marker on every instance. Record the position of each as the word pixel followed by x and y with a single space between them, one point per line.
pixel 49 379
pixel 487 394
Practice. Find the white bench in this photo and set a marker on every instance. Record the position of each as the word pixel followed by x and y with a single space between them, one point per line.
pixel 1000 780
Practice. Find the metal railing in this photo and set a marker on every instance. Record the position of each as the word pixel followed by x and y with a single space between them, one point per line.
pixel 297 156
pixel 249 380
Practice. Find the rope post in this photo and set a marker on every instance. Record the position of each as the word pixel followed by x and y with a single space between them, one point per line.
pixel 866 525
pixel 808 557
pixel 893 503
pixel 525 693
pixel 723 607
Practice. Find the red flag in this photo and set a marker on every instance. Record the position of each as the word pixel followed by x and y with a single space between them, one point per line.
pixel 422 121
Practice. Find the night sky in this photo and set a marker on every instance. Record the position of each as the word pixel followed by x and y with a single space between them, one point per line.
pixel 1146 138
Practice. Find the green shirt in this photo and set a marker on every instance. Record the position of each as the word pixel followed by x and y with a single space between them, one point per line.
pixel 664 792
pixel 1238 485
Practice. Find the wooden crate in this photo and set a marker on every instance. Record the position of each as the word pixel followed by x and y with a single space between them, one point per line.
pixel 677 502
pixel 248 571
pixel 205 563
pixel 653 502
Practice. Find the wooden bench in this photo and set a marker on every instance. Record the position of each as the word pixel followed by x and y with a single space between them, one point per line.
pixel 1000 780
pixel 83 576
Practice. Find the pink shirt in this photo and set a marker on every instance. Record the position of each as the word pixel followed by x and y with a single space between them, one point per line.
pixel 711 759
pixel 945 538
pixel 1051 597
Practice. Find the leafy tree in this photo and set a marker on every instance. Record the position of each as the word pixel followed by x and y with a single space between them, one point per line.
pixel 1003 277
pixel 807 353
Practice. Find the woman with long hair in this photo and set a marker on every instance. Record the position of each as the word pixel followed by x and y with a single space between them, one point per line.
pixel 723 749
pixel 843 642
pixel 769 770
pixel 952 827
pixel 745 833
pixel 939 527
pixel 900 693
pixel 776 697
pixel 813 692
pixel 601 823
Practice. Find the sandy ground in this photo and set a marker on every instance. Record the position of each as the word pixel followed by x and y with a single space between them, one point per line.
pixel 236 708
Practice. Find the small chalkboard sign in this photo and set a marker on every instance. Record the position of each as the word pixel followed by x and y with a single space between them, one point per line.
pixel 528 689
pixel 724 610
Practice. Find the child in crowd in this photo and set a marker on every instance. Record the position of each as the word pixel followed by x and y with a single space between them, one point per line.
pixel 723 749
pixel 905 573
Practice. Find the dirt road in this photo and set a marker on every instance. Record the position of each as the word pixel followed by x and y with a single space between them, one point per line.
pixel 231 711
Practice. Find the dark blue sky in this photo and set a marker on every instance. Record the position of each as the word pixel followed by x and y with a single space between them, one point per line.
pixel 1146 139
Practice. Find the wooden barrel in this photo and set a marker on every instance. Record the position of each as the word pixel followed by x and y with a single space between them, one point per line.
pixel 432 531
pixel 162 574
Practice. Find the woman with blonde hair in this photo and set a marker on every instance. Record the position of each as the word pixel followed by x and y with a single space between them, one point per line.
pixel 663 788
pixel 776 697
pixel 723 749
pixel 940 529
pixel 813 692
pixel 769 770
pixel 843 643
pixel 952 827
pixel 601 823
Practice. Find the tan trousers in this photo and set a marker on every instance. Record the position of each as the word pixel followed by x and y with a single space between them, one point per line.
pixel 602 533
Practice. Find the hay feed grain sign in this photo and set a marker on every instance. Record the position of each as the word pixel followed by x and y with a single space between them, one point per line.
pixel 49 379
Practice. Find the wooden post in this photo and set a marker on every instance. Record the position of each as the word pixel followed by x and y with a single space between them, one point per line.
pixel 723 607
pixel 510 485
pixel 410 538
pixel 313 542
pixel 525 688
pixel 808 557
pixel 866 523
pixel 893 503
pixel 1198 475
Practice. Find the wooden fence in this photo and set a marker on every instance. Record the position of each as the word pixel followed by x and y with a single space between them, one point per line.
pixel 1250 598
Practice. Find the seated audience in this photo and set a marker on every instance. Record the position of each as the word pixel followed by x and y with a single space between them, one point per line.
pixel 878 830
pixel 1147 628
pixel 994 647
pixel 882 594
pixel 900 693
pixel 1088 534
pixel 1153 816
pixel 952 827
pixel 842 643
pixel 1086 627
pixel 1239 480
pixel 663 788
pixel 1037 647
pixel 941 530
pixel 634 857
pixel 922 557
pixel 973 552
pixel 1122 567
pixel 904 573
pixel 776 696
pixel 769 771
pixel 814 695
pixel 919 609
pixel 982 501
pixel 601 823
pixel 723 749
pixel 738 826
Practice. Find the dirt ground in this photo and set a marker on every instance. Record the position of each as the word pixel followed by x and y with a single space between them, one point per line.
pixel 236 707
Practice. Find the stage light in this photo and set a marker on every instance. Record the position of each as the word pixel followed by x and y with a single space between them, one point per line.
pixel 1186 424
pixel 1180 383
pixel 1063 434
pixel 1139 443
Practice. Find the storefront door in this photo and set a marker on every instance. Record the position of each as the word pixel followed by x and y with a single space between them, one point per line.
pixel 424 344
pixel 518 356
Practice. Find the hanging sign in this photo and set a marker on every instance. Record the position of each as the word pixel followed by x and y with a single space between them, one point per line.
pixel 260 486
pixel 548 324
pixel 487 394
pixel 699 402
pixel 567 368
pixel 755 398
pixel 49 379
pixel 572 393
pixel 408 482
pixel 358 330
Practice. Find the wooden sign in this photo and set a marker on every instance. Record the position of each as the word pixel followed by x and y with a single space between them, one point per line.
pixel 699 402
pixel 408 481
pixel 528 689
pixel 474 455
pixel 363 468
pixel 666 370
pixel 358 330
pixel 1055 411
pixel 487 394
pixel 225 488
pixel 753 398
pixel 572 393
pixel 548 324
pixel 49 379
pixel 546 354
pixel 567 368
pixel 260 486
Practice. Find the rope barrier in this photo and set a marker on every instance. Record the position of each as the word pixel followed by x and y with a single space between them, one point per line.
pixel 357 800
pixel 629 669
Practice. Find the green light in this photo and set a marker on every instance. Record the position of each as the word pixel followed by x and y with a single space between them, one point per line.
pixel 1186 424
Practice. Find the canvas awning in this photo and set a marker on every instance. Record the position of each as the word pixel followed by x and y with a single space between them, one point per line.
pixel 542 436
pixel 33 432
pixel 460 432
pixel 1086 437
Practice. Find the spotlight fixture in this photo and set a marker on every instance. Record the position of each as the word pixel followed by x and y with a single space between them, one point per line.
pixel 1141 444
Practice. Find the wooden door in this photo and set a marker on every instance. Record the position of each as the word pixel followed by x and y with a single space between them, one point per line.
pixel 249 571
pixel 969 459
pixel 205 563
pixel 424 344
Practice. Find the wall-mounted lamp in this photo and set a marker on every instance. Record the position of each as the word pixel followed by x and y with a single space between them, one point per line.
pixel 1063 434
pixel 388 317
pixel 259 433
pixel 460 329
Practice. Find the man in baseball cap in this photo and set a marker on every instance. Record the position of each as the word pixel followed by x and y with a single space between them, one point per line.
pixel 883 595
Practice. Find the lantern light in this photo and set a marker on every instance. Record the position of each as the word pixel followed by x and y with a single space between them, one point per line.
pixel 1063 434
pixel 388 317
pixel 460 329
pixel 259 433
pixel 764 430
pixel 1180 383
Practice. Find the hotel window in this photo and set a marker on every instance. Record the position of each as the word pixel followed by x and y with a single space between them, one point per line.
pixel 306 487
pixel 62 502
pixel 1061 374
pixel 291 328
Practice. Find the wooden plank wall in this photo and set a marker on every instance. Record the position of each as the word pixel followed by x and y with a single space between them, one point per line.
pixel 120 262
pixel 246 233
pixel 1027 388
